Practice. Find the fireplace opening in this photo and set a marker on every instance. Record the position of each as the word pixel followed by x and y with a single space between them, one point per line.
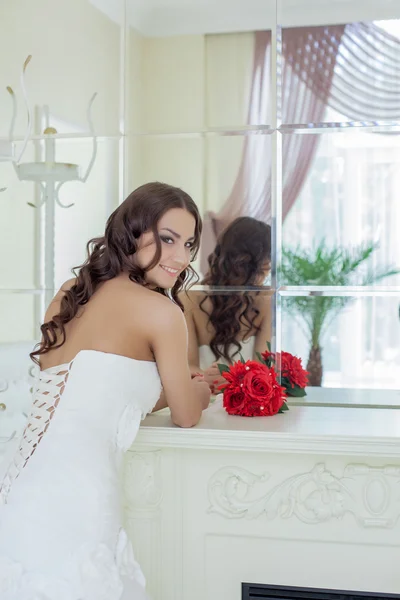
pixel 253 591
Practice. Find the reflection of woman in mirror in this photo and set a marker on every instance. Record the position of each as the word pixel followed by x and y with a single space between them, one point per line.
pixel 113 338
pixel 223 326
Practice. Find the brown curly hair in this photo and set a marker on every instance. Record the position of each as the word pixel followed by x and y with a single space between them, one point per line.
pixel 110 254
pixel 240 258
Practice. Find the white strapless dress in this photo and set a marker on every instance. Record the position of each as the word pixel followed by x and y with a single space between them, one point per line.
pixel 60 501
pixel 207 358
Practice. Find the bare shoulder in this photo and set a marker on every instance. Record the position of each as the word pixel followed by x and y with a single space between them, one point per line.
pixel 54 306
pixel 67 285
pixel 165 314
pixel 148 308
pixel 162 317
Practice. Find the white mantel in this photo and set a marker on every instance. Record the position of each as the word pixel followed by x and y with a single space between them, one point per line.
pixel 310 497
pixel 303 429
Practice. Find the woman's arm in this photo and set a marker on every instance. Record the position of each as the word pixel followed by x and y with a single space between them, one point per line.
pixel 264 334
pixel 162 401
pixel 193 341
pixel 185 397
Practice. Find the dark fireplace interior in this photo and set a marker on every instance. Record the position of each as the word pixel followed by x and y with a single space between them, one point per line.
pixel 254 591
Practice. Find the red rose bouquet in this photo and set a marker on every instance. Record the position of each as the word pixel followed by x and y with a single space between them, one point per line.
pixel 252 390
pixel 293 377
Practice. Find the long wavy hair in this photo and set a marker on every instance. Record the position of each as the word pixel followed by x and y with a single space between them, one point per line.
pixel 240 258
pixel 110 254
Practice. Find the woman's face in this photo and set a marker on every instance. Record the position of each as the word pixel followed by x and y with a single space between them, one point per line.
pixel 176 230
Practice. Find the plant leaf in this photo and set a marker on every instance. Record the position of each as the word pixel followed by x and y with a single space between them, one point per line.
pixel 223 368
pixel 285 383
pixel 322 265
pixel 296 392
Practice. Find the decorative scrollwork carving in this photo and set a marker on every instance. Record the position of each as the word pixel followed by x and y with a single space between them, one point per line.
pixel 370 494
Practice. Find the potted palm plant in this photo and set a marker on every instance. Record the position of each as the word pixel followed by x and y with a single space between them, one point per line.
pixel 324 266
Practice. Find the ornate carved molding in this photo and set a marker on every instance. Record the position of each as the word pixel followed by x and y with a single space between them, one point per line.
pixel 143 484
pixel 370 494
pixel 220 437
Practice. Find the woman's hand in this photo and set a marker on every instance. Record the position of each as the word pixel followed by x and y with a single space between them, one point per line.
pixel 213 377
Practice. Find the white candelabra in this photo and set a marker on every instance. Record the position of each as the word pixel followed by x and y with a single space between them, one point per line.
pixel 50 175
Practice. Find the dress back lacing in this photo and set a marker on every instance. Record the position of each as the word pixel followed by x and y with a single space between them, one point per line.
pixel 48 389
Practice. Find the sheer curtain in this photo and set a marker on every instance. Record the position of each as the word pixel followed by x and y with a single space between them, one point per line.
pixel 366 85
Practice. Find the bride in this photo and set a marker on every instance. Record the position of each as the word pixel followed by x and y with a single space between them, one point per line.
pixel 113 348
pixel 227 324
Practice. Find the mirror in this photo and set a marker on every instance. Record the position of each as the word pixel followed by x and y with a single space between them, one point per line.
pixel 190 93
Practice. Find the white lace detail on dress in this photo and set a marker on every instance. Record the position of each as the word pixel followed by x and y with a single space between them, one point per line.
pixel 49 387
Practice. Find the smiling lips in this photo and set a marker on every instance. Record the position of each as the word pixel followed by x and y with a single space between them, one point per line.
pixel 172 272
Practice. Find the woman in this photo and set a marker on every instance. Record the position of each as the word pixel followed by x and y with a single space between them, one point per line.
pixel 225 325
pixel 112 339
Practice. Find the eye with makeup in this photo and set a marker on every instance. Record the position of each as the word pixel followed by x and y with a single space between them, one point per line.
pixel 169 240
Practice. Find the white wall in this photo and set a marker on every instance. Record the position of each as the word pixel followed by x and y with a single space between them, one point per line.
pixel 75 52
pixel 188 84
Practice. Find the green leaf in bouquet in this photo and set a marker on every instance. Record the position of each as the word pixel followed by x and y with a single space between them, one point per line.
pixel 296 391
pixel 241 359
pixel 269 346
pixel 284 408
pixel 223 368
pixel 285 382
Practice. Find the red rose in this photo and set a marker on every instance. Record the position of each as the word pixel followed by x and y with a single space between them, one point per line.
pixel 263 390
pixel 233 401
pixel 292 368
pixel 238 370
